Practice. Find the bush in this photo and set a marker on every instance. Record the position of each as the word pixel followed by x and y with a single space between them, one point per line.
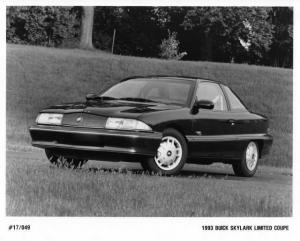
pixel 169 48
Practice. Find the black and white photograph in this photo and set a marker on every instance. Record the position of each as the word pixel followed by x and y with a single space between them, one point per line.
pixel 149 111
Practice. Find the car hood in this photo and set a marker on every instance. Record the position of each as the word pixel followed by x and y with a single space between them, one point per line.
pixel 111 108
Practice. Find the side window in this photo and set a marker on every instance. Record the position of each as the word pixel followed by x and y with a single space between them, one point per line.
pixel 212 92
pixel 235 103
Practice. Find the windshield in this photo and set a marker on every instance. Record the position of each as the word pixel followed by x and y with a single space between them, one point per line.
pixel 160 90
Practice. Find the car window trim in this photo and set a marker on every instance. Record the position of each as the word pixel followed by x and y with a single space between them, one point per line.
pixel 194 97
pixel 226 98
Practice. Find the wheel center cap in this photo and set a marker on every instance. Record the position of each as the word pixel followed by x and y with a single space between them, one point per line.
pixel 169 153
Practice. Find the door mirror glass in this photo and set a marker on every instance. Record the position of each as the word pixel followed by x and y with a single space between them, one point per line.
pixel 204 104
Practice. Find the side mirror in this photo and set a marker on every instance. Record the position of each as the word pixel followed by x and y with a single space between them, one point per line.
pixel 204 104
pixel 90 97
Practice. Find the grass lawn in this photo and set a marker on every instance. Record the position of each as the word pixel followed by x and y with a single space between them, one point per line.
pixel 38 77
pixel 35 189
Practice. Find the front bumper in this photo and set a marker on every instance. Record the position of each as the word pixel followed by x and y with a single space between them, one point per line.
pixel 95 143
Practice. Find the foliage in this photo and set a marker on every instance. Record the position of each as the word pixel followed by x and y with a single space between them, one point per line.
pixel 222 30
pixel 137 31
pixel 253 35
pixel 46 26
pixel 281 53
pixel 170 47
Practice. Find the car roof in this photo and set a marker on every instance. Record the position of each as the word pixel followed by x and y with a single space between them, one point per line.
pixel 175 77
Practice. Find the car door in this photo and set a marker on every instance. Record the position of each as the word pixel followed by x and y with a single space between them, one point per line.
pixel 241 117
pixel 211 128
pixel 245 123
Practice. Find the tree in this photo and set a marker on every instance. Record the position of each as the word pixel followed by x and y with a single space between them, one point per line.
pixel 220 31
pixel 281 51
pixel 47 26
pixel 86 36
pixel 137 29
pixel 255 35
pixel 169 48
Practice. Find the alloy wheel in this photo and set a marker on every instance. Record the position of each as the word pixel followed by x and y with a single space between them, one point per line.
pixel 251 156
pixel 169 153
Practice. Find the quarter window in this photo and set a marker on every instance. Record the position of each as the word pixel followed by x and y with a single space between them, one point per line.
pixel 235 103
pixel 212 92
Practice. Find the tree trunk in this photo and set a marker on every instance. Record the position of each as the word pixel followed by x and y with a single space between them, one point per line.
pixel 87 20
pixel 208 46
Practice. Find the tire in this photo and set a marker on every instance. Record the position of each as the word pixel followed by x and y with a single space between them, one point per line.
pixel 171 154
pixel 248 165
pixel 61 161
pixel 145 166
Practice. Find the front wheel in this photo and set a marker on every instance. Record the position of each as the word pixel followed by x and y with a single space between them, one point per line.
pixel 61 161
pixel 171 154
pixel 248 165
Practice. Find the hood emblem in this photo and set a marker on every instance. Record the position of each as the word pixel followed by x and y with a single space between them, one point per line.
pixel 78 119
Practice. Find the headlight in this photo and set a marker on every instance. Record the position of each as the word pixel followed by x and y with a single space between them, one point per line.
pixel 126 124
pixel 49 118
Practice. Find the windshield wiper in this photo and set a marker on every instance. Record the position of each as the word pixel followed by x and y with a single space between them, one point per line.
pixel 137 99
pixel 107 98
pixel 97 97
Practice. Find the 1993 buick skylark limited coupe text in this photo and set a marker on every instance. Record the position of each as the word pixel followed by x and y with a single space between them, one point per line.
pixel 162 122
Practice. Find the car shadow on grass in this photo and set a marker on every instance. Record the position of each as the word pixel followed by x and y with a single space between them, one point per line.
pixel 182 173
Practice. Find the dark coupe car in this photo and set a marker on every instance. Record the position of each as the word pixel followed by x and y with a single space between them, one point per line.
pixel 162 122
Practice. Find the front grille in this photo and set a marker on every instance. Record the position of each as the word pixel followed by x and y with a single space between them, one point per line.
pixel 84 120
pixel 67 138
pixel 93 121
pixel 70 119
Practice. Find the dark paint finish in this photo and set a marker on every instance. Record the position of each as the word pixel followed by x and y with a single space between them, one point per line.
pixel 96 140
pixel 210 135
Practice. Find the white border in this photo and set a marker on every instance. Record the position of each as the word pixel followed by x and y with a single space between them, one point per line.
pixel 148 228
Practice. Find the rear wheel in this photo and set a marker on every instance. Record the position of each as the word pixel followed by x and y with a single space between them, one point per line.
pixel 171 154
pixel 248 165
pixel 61 161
